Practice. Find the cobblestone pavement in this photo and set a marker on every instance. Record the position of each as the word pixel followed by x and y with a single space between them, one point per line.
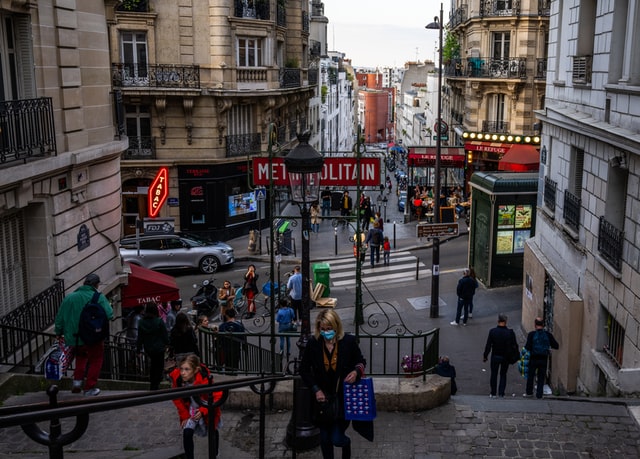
pixel 467 426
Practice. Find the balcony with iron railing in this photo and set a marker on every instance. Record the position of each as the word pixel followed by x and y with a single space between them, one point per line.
pixel 252 9
pixel 458 16
pixel 495 126
pixel 239 145
pixel 549 194
pixel 125 75
pixel 544 7
pixel 581 69
pixel 290 78
pixel 571 210
pixel 487 67
pixel 140 147
pixel 27 129
pixel 610 240
pixel 500 8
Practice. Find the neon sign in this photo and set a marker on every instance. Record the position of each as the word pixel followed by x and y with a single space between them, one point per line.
pixel 158 192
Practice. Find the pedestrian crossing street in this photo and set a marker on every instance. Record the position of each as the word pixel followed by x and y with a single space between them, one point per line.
pixel 402 268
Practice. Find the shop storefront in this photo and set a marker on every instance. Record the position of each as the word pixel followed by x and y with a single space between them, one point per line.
pixel 421 162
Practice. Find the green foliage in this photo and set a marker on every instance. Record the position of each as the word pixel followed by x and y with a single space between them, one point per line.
pixel 292 63
pixel 323 93
pixel 450 47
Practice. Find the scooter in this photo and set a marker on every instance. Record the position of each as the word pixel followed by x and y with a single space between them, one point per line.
pixel 205 301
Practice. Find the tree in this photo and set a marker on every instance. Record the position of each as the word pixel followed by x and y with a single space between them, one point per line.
pixel 450 48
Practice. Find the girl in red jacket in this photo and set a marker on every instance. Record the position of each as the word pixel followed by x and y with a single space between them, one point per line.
pixel 193 417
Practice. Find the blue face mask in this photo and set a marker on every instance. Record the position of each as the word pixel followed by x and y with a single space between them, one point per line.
pixel 328 334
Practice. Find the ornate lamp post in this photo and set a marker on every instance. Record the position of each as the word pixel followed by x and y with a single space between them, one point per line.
pixel 304 166
pixel 435 277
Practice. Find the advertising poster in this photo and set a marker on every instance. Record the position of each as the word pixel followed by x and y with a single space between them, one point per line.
pixel 504 242
pixel 519 237
pixel 240 204
pixel 506 214
pixel 523 216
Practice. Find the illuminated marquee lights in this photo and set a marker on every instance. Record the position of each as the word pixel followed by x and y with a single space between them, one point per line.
pixel 494 137
pixel 158 192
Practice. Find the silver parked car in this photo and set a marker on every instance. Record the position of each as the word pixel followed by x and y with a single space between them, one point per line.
pixel 170 251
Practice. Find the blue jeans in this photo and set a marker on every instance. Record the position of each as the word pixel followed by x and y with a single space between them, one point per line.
pixel 538 370
pixel 386 256
pixel 498 362
pixel 374 251
pixel 462 304
pixel 333 435
pixel 326 208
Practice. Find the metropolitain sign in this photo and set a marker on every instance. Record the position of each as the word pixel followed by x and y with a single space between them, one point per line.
pixel 335 172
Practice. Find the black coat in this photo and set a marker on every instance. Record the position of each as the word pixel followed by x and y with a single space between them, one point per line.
pixel 498 341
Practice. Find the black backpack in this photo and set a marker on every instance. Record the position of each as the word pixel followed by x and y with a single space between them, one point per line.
pixel 376 237
pixel 93 326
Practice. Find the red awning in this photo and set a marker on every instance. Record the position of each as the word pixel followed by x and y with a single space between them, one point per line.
pixel 487 147
pixel 426 157
pixel 520 158
pixel 146 285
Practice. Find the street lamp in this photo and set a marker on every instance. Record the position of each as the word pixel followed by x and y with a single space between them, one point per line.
pixel 435 272
pixel 304 166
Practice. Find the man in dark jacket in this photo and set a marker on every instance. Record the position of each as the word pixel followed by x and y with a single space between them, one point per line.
pixel 539 342
pixel 466 289
pixel 345 206
pixel 498 342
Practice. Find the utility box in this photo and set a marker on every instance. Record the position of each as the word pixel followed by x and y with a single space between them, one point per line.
pixel 321 275
pixel 286 240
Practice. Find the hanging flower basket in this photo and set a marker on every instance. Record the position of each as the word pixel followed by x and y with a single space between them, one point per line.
pixel 412 365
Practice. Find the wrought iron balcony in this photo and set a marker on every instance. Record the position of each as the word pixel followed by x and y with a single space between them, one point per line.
pixel 610 241
pixel 156 76
pixel 243 145
pixel 495 126
pixel 27 129
pixel 581 70
pixel 290 78
pixel 499 8
pixel 140 147
pixel 550 188
pixel 571 210
pixel 252 9
pixel 544 7
pixel 541 69
pixel 487 67
pixel 458 16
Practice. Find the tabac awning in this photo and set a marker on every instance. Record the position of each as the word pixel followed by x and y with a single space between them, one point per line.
pixel 426 157
pixel 520 158
pixel 146 285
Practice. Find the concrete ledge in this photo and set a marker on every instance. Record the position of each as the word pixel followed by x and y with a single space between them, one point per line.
pixel 392 394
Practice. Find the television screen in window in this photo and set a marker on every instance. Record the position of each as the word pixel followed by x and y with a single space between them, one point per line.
pixel 241 204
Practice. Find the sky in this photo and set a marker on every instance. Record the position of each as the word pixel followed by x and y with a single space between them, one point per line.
pixel 383 33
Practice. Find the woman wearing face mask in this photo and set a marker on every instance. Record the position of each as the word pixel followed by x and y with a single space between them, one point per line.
pixel 331 357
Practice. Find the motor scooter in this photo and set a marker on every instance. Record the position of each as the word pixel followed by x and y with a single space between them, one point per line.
pixel 205 301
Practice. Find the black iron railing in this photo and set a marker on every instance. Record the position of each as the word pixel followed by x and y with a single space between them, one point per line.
pixel 140 147
pixel 610 240
pixel 544 7
pixel 27 129
pixel 243 144
pixel 499 8
pixel 458 16
pixel 495 126
pixel 487 67
pixel 38 312
pixel 155 76
pixel 290 78
pixel 549 196
pixel 571 210
pixel 252 9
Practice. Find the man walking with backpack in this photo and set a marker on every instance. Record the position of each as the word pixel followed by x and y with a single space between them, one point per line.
pixel 83 323
pixel 538 344
pixel 374 239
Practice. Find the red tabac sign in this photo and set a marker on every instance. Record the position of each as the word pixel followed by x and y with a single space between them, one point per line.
pixel 335 172
pixel 158 192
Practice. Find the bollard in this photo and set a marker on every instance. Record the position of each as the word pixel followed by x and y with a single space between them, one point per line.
pixel 394 234
pixel 417 267
pixel 335 240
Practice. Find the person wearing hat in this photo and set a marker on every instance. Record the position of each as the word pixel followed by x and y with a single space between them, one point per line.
pixel 88 357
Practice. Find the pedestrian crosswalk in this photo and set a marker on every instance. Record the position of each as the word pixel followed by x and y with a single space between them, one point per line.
pixel 402 268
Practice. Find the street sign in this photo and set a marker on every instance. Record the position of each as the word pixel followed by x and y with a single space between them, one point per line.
pixel 261 194
pixel 442 137
pixel 436 229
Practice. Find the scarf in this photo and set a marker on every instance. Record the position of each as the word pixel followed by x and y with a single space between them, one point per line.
pixel 333 364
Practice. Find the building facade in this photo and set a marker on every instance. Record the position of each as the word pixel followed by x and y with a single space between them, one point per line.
pixel 199 84
pixel 494 59
pixel 582 268
pixel 60 154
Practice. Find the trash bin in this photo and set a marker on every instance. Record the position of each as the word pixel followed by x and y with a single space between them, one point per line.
pixel 321 275
pixel 286 241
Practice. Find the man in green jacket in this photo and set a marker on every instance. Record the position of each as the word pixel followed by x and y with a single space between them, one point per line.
pixel 88 357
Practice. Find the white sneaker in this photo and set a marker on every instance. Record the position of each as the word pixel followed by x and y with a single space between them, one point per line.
pixel 454 323
pixel 92 391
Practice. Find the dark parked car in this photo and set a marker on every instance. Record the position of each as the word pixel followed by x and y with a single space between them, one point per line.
pixel 170 251
pixel 402 200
